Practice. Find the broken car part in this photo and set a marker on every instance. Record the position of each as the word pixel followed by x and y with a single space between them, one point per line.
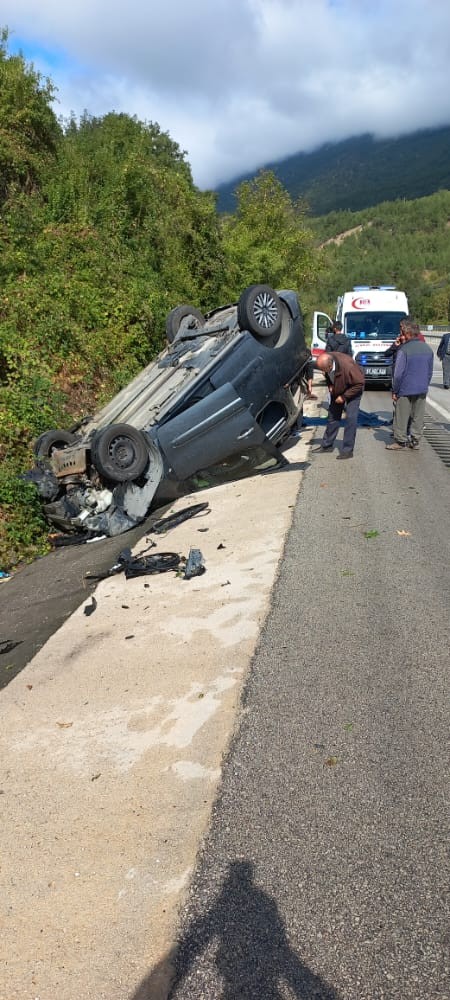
pixel 141 565
pixel 195 564
pixel 172 520
pixel 7 645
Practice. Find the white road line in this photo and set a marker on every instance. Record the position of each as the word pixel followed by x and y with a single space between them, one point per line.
pixel 440 409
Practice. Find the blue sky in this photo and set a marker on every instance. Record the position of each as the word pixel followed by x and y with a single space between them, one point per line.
pixel 239 83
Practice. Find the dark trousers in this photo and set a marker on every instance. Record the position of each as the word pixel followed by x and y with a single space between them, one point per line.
pixel 334 420
pixel 446 370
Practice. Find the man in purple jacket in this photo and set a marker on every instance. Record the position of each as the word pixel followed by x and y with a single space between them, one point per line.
pixel 412 376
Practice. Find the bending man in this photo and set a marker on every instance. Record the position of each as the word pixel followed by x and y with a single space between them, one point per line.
pixel 345 380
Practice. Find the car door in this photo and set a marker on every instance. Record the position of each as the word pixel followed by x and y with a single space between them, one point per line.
pixel 321 322
pixel 208 431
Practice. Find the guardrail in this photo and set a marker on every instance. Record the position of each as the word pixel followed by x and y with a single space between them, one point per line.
pixel 433 337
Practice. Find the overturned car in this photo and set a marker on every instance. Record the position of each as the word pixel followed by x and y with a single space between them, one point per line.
pixel 220 394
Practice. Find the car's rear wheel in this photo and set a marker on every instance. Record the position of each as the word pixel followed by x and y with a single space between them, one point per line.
pixel 194 320
pixel 260 311
pixel 120 453
pixel 52 441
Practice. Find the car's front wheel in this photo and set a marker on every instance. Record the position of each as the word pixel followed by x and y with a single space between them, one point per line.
pixel 52 441
pixel 260 311
pixel 120 453
pixel 194 320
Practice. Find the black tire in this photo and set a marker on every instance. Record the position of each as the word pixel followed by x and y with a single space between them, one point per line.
pixel 175 317
pixel 52 441
pixel 260 311
pixel 119 453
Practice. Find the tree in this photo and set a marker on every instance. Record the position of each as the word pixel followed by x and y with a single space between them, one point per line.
pixel 29 131
pixel 267 240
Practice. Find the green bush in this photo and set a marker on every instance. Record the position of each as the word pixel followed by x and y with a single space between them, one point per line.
pixel 23 530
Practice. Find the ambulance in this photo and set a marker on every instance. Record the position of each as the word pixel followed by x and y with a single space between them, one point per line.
pixel 370 317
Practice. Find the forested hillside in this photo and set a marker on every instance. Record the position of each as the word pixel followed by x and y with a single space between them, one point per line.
pixel 405 243
pixel 361 172
pixel 102 232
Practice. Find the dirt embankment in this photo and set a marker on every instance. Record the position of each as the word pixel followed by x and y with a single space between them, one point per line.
pixel 343 236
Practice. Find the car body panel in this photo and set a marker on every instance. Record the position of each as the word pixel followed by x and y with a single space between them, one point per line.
pixel 208 432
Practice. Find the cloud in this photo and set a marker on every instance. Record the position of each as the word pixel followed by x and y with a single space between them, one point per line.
pixel 239 83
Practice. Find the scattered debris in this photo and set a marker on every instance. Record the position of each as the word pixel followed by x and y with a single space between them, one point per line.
pixel 64 725
pixel 90 608
pixel 4 575
pixel 129 636
pixel 165 523
pixel 331 761
pixel 95 776
pixel 221 546
pixel 43 477
pixel 195 564
pixel 373 533
pixel 58 541
pixel 141 565
pixel 160 562
pixel 404 534
pixel 6 645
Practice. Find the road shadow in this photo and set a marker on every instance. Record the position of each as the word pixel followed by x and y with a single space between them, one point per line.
pixel 383 434
pixel 248 948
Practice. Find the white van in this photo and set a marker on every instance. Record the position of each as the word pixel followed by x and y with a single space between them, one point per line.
pixel 370 318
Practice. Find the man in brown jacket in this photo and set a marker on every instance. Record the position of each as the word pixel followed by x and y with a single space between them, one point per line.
pixel 345 380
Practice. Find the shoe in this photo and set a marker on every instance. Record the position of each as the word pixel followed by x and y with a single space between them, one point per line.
pixel 321 448
pixel 396 446
pixel 344 454
pixel 413 443
pixel 446 386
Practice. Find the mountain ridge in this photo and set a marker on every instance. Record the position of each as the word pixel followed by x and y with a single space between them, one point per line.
pixel 359 172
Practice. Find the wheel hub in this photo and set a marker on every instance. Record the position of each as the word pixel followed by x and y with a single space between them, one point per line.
pixel 122 453
pixel 265 310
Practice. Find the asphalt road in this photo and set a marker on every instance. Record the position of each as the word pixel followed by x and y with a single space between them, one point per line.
pixel 36 601
pixel 324 874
